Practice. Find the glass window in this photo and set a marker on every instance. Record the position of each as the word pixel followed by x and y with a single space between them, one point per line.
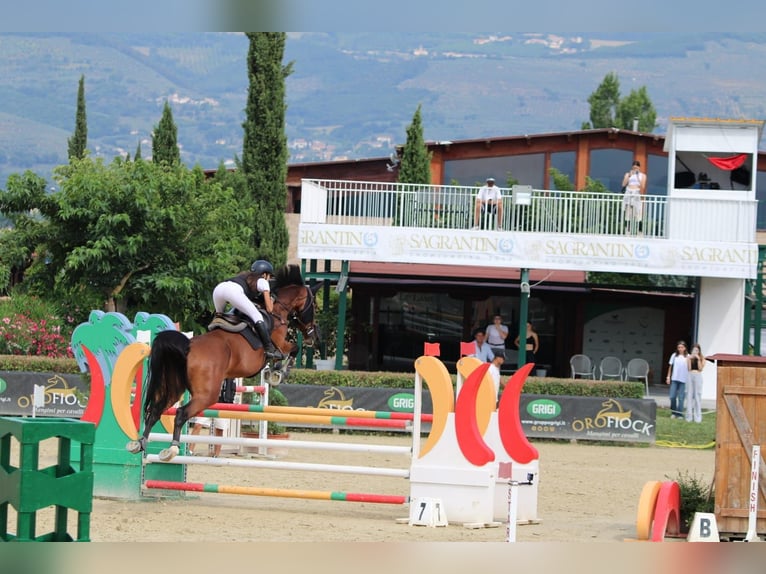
pixel 528 169
pixel 609 166
pixel 657 175
pixel 564 162
pixel 760 195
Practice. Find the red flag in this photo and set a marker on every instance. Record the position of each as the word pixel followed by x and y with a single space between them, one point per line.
pixel 467 348
pixel 431 349
pixel 728 163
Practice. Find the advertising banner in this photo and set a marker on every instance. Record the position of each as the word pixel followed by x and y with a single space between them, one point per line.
pixel 588 418
pixel 542 416
pixel 65 395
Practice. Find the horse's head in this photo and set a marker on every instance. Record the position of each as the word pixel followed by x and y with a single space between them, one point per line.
pixel 298 304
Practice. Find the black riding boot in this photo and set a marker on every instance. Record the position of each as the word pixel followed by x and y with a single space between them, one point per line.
pixel 268 346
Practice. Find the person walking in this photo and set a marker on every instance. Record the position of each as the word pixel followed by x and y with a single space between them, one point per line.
pixel 494 371
pixel 678 375
pixel 696 363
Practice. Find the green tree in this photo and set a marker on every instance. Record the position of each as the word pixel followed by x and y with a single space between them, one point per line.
pixel 609 110
pixel 637 105
pixel 415 165
pixel 137 155
pixel 131 235
pixel 78 143
pixel 165 139
pixel 264 149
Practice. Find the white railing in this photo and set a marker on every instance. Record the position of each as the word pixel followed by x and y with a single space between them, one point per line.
pixel 341 202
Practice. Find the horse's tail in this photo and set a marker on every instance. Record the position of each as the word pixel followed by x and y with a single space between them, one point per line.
pixel 167 373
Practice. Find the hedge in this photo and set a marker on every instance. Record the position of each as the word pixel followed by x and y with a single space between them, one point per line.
pixel 379 379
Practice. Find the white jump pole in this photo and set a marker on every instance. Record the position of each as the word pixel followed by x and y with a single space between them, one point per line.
pixel 299 444
pixel 513 504
pixel 752 521
pixel 281 465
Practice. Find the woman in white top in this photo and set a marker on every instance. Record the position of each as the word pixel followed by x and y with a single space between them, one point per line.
pixel 634 183
pixel 695 362
pixel 678 375
pixel 496 334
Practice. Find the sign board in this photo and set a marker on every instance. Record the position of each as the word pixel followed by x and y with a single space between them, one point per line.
pixel 63 395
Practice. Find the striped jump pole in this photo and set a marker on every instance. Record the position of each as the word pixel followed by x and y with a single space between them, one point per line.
pixel 277 492
pixel 282 465
pixel 313 411
pixel 257 389
pixel 343 421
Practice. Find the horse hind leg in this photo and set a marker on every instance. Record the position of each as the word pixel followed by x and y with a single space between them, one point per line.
pixel 168 454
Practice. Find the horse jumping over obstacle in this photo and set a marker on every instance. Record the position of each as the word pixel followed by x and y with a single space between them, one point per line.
pixel 198 365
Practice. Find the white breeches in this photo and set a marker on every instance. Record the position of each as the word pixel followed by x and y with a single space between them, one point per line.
pixel 232 293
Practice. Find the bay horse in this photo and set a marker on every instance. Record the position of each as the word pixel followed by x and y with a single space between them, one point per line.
pixel 199 365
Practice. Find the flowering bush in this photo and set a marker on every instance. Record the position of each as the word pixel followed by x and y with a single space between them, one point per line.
pixel 30 327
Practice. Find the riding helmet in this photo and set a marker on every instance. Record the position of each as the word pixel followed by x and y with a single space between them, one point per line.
pixel 262 266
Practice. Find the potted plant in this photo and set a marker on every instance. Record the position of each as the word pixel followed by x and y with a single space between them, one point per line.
pixel 251 428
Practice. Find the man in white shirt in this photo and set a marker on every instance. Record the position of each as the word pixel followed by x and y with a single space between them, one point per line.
pixel 482 350
pixel 488 203
pixel 494 371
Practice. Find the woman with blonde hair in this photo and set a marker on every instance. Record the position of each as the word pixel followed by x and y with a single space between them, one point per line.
pixel 695 362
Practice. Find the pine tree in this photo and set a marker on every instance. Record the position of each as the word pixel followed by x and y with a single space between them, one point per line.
pixel 137 155
pixel 78 143
pixel 416 159
pixel 264 149
pixel 165 139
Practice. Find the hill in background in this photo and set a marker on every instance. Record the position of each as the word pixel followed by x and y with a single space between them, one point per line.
pixel 352 95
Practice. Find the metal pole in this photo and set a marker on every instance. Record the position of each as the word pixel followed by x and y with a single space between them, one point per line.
pixel 340 339
pixel 523 316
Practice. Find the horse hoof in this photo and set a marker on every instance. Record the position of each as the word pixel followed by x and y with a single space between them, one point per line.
pixel 134 446
pixel 168 454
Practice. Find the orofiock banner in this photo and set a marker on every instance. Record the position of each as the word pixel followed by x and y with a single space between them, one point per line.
pixel 588 418
pixel 66 395
pixel 542 416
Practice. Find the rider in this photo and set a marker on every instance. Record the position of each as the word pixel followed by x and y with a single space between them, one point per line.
pixel 242 292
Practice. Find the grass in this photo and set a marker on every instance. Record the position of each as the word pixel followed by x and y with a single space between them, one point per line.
pixel 679 433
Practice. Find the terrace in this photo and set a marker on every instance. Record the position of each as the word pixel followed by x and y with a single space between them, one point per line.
pixel 691 232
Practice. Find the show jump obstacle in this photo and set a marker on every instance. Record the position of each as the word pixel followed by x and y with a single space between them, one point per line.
pixel 473 450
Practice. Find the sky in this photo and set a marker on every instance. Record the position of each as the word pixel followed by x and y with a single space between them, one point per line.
pixel 389 15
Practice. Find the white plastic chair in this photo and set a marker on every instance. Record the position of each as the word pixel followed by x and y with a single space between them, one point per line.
pixel 610 368
pixel 638 369
pixel 583 366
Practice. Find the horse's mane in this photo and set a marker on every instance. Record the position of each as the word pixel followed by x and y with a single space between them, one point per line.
pixel 288 275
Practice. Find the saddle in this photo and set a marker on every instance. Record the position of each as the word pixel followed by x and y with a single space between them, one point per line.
pixel 236 322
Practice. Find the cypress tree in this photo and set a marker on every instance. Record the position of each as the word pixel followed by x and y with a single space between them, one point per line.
pixel 79 140
pixel 137 155
pixel 416 159
pixel 165 139
pixel 264 149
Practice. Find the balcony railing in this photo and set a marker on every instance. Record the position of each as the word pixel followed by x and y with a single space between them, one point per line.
pixel 339 202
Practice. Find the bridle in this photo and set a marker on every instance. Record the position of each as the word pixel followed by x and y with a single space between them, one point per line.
pixel 301 318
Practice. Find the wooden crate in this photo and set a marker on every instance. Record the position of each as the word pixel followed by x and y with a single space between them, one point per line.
pixel 740 423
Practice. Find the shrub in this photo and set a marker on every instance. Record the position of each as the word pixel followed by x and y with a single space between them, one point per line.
pixel 31 326
pixel 696 496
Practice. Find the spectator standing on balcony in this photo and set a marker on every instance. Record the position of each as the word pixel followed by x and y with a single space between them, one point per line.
pixel 489 203
pixel 496 334
pixel 634 184
pixel 482 350
pixel 678 375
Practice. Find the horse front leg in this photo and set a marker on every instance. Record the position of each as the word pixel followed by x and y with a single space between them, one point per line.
pixel 168 454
